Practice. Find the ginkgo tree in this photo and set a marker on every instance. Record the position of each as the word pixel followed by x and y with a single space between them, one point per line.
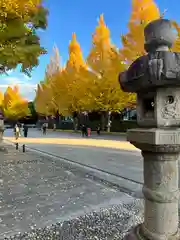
pixel 68 84
pixel 105 63
pixel 75 66
pixel 13 105
pixel 40 101
pixel 19 42
pixel 45 102
pixel 84 85
pixel 176 46
pixel 1 98
pixel 53 78
pixel 143 12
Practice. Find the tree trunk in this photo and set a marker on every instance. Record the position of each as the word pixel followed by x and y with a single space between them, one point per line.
pixel 75 123
pixel 109 122
pixel 103 121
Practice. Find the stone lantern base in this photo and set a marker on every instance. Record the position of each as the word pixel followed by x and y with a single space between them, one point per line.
pixel 160 149
pixel 138 234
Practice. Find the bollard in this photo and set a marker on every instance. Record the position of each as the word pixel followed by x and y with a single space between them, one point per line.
pixel 23 148
pixel 155 78
pixel 17 146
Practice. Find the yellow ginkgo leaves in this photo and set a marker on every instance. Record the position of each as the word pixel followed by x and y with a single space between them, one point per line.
pixel 13 105
pixel 143 11
pixel 92 84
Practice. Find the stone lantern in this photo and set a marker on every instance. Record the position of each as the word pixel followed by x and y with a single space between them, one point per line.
pixel 155 78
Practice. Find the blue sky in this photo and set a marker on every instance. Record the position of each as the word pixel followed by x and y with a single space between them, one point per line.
pixel 80 16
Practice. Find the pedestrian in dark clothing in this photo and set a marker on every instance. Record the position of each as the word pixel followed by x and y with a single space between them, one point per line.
pixel 98 130
pixel 84 130
pixel 25 130
pixel 44 128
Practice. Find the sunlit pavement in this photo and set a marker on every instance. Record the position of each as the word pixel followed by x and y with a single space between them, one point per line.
pixel 36 137
pixel 77 142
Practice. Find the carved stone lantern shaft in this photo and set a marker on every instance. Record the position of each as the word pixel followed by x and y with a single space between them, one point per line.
pixel 155 78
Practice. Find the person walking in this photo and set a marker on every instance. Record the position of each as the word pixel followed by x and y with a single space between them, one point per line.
pixel 44 127
pixel 16 132
pixel 84 130
pixel 25 129
pixel 98 129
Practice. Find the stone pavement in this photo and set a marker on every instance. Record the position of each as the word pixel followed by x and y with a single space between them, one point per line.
pixel 47 199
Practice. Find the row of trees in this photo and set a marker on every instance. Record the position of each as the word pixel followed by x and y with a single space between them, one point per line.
pixel 84 85
pixel 92 84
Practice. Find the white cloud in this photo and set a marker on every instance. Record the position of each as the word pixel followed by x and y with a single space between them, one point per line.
pixel 12 80
pixel 26 88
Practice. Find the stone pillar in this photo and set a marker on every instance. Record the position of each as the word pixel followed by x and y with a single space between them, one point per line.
pixel 155 78
pixel 161 180
pixel 161 195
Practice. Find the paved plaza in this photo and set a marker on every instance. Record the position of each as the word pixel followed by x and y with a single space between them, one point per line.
pixel 118 157
pixel 47 196
pixel 37 192
pixel 64 138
